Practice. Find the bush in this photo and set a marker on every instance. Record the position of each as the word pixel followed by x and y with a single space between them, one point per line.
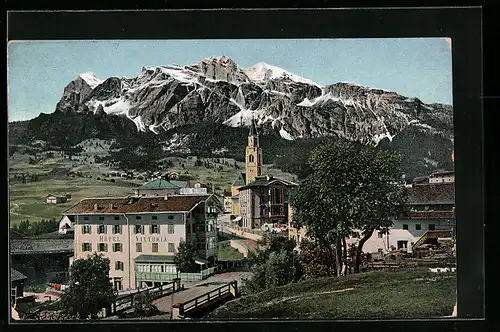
pixel 143 305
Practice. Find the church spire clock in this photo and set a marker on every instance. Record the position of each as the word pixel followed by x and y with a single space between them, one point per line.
pixel 253 156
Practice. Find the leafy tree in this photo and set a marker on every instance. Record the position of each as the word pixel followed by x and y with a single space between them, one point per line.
pixel 276 264
pixel 184 259
pixel 316 261
pixel 90 289
pixel 362 192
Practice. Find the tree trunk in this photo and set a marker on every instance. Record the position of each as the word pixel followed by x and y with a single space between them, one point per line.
pixel 344 254
pixel 339 255
pixel 359 250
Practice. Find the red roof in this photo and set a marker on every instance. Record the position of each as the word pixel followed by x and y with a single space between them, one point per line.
pixel 136 204
pixel 442 193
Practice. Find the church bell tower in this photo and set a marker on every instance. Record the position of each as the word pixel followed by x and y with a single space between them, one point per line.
pixel 253 161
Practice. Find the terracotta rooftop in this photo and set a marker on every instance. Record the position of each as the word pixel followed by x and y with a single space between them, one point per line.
pixel 443 193
pixel 173 203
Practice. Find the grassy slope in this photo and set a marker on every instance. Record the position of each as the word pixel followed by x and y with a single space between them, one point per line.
pixel 27 201
pixel 408 293
pixel 228 253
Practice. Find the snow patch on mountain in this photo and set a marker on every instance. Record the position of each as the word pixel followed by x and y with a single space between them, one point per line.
pixel 91 79
pixel 138 122
pixel 263 72
pixel 243 117
pixel 285 134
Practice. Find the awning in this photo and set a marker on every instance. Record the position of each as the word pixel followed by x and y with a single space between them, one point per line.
pixel 200 261
pixel 154 259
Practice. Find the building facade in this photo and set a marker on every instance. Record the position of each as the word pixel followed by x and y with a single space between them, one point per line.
pixel 430 207
pixel 265 200
pixel 141 235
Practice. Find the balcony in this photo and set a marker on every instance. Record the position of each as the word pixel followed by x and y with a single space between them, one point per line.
pixel 155 276
pixel 422 215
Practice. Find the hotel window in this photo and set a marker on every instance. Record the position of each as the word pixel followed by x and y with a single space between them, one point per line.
pixel 101 218
pixel 117 217
pixel 138 217
pixel 118 266
pixel 138 247
pixel 103 247
pixel 432 227
pixel 86 247
pixel 418 227
pixel 139 229
pixel 154 217
pixel 101 229
pixel 405 226
pixel 86 229
pixel 86 218
pixel 171 247
pixel 117 247
pixel 380 235
pixel 154 247
pixel 170 229
pixel 250 158
pixel 154 229
pixel 117 229
pixel 170 217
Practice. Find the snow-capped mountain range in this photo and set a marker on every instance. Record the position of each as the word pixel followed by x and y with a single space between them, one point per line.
pixel 217 89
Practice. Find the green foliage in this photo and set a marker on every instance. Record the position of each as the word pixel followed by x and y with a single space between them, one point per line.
pixel 276 264
pixel 143 305
pixel 42 227
pixel 363 191
pixel 316 261
pixel 90 289
pixel 184 259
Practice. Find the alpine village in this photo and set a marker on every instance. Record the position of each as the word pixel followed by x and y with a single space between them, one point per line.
pixel 255 196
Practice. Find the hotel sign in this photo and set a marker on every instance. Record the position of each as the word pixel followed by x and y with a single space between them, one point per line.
pixel 104 238
pixel 150 239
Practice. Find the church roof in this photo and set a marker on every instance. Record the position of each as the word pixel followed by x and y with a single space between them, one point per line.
pixel 240 180
pixel 264 181
pixel 253 128
pixel 159 184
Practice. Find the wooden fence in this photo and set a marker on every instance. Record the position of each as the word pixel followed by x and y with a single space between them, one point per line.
pixel 126 302
pixel 181 310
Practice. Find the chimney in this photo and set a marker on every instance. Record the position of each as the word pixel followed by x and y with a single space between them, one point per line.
pixel 166 197
pixel 96 206
pixel 111 206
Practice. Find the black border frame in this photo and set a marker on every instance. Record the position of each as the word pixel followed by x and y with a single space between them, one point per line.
pixel 463 25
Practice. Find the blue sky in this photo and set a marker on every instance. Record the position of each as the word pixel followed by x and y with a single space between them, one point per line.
pixel 38 71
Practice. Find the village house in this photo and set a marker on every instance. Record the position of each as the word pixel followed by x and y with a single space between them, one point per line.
pixel 264 201
pixel 17 280
pixel 141 235
pixel 255 198
pixel 430 208
pixel 53 199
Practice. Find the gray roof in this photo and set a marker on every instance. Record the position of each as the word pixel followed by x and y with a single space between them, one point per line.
pixel 15 275
pixel 41 246
pixel 155 259
pixel 264 181
pixel 180 184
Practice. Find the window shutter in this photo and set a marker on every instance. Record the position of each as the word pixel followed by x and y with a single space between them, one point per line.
pixel 83 246
pixel 105 247
pixel 142 229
